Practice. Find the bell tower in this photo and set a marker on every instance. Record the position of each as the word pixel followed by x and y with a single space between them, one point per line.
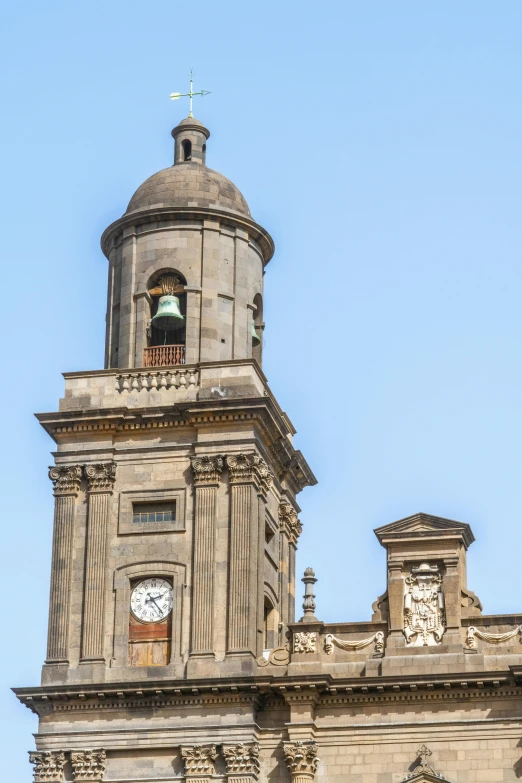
pixel 175 478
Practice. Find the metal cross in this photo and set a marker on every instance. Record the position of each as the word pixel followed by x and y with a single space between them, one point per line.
pixel 174 96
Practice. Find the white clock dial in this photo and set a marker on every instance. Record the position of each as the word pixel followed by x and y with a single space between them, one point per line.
pixel 151 600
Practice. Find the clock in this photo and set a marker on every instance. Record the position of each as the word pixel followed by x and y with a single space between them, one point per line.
pixel 151 600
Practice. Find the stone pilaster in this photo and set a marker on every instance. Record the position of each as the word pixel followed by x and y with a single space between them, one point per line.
pixel 301 759
pixel 242 762
pixel 88 765
pixel 199 762
pixel 207 472
pixel 100 477
pixel 249 477
pixel 48 765
pixel 291 529
pixel 66 480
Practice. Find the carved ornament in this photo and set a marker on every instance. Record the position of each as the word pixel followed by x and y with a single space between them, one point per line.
pixel 249 468
pixel 424 620
pixel 66 479
pixel 88 764
pixel 424 772
pixel 207 469
pixel 48 765
pixel 199 760
pixel 279 656
pixel 242 759
pixel 491 638
pixel 100 476
pixel 289 521
pixel 301 758
pixel 305 642
pixel 377 639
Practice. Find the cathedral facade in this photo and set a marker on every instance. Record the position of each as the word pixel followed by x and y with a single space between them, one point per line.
pixel 174 653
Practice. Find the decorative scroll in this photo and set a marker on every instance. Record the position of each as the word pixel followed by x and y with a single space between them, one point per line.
pixel 344 644
pixel 280 656
pixel 424 621
pixel 305 642
pixel 492 638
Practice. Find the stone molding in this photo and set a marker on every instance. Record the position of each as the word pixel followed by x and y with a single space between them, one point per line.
pixel 66 479
pixel 88 764
pixel 289 522
pixel 100 476
pixel 207 469
pixel 301 759
pixel 242 759
pixel 249 469
pixel 199 761
pixel 48 765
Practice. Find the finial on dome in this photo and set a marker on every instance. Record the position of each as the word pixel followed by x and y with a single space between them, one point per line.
pixel 174 96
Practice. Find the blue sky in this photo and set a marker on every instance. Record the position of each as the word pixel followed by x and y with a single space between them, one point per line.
pixel 380 144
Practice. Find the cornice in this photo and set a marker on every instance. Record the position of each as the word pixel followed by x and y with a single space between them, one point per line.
pixel 144 216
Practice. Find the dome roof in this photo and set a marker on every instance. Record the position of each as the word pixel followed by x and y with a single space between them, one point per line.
pixel 188 185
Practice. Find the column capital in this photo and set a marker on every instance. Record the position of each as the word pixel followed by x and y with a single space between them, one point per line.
pixel 88 765
pixel 289 521
pixel 242 759
pixel 66 479
pixel 301 759
pixel 48 765
pixel 100 476
pixel 207 469
pixel 199 761
pixel 249 469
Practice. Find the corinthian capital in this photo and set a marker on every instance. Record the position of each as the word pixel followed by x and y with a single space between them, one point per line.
pixel 101 476
pixel 88 765
pixel 242 759
pixel 207 469
pixel 66 479
pixel 48 765
pixel 199 760
pixel 301 759
pixel 249 468
pixel 289 521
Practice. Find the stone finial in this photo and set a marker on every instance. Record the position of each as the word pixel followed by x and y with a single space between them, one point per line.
pixel 199 761
pixel 48 765
pixel 309 597
pixel 66 479
pixel 207 469
pixel 242 759
pixel 88 765
pixel 101 476
pixel 301 759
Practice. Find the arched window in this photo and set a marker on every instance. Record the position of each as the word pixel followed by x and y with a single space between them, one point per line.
pixel 269 636
pixel 187 149
pixel 258 325
pixel 166 334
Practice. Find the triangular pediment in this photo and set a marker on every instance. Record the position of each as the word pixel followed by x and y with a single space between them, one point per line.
pixel 425 526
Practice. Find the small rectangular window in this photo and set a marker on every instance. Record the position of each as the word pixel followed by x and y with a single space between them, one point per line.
pixel 154 512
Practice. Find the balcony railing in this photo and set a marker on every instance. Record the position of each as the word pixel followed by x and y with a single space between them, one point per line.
pixel 164 356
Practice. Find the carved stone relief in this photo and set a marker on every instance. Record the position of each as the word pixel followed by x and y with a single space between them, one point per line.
pixel 88 765
pixel 199 760
pixel 424 621
pixel 301 759
pixel 48 765
pixel 305 642
pixel 242 759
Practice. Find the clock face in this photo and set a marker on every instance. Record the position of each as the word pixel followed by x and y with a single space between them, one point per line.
pixel 151 600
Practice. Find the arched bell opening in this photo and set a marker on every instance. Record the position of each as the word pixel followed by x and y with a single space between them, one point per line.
pixel 166 334
pixel 186 146
pixel 257 329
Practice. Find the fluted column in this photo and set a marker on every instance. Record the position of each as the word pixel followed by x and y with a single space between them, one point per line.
pixel 242 762
pixel 248 475
pixel 291 529
pixel 207 472
pixel 199 762
pixel 66 481
pixel 301 759
pixel 100 477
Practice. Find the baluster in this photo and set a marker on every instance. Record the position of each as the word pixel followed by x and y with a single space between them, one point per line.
pixel 154 380
pixel 125 384
pixel 163 380
pixel 118 383
pixel 183 379
pixel 192 378
pixel 144 381
pixel 135 385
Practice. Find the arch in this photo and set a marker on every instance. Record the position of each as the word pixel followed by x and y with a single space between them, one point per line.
pixel 149 276
pixel 186 147
pixel 257 315
pixel 269 624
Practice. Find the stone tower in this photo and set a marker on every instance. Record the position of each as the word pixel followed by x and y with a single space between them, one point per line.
pixel 173 652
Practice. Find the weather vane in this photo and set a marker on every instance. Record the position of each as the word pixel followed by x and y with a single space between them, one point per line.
pixel 174 96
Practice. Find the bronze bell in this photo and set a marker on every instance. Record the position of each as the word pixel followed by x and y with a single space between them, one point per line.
pixel 168 315
pixel 255 337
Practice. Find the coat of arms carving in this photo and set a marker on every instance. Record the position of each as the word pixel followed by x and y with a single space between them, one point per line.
pixel 424 620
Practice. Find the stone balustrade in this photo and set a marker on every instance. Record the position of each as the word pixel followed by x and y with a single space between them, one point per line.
pixel 182 378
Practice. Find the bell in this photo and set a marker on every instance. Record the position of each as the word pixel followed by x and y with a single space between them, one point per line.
pixel 255 337
pixel 168 315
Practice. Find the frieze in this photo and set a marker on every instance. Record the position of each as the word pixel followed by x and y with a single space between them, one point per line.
pixel 88 764
pixel 100 476
pixel 48 765
pixel 207 469
pixel 424 620
pixel 66 479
